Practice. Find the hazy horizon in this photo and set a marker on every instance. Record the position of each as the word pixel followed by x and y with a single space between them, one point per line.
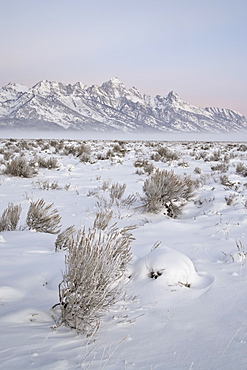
pixel 124 136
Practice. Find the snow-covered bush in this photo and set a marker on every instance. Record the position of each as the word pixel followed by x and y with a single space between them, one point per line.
pixel 102 219
pixel 117 191
pixel 170 267
pixel 42 218
pixel 145 164
pixel 46 185
pixel 241 169
pixel 84 157
pixel 166 190
pixel 10 217
pixel 220 167
pixel 91 282
pixel 57 144
pixel 77 149
pixel 119 148
pixel 224 180
pixel 50 163
pixel 215 156
pixel 242 148
pixel 19 167
pixel 231 199
pixel 164 154
pixel 198 170
pixel 64 239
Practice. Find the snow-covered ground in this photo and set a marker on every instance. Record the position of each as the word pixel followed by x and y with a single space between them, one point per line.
pixel 185 301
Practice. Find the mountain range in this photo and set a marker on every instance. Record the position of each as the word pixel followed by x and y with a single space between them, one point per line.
pixel 109 107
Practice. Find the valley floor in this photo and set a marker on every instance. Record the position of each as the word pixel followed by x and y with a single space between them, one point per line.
pixel 159 323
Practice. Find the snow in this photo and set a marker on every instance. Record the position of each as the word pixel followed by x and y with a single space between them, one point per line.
pixel 172 268
pixel 16 87
pixel 185 301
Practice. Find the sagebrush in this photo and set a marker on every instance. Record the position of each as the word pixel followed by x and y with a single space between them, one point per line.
pixel 42 218
pixel 19 167
pixel 164 190
pixel 91 282
pixel 10 217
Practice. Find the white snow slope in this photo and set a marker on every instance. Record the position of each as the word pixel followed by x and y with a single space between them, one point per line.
pixel 191 316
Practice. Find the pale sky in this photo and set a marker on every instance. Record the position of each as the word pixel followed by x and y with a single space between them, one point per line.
pixel 197 48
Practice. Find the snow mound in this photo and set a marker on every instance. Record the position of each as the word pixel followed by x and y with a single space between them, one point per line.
pixel 170 268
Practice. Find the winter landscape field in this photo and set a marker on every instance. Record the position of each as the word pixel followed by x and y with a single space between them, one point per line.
pixel 155 230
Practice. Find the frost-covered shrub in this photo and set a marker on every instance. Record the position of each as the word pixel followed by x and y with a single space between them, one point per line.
pixel 64 239
pixel 91 282
pixel 19 167
pixel 164 154
pixel 50 163
pixel 25 144
pixel 57 145
pixel 83 149
pixel 183 164
pixel 166 190
pixel 119 148
pixel 201 155
pixel 140 162
pixel 117 191
pixel 77 150
pixel 42 218
pixel 129 200
pixel 224 180
pixel 84 157
pixel 221 167
pixel 109 154
pixel 198 170
pixel 46 185
pixel 102 219
pixel 145 164
pixel 241 169
pixel 10 217
pixel 215 156
pixel 242 148
pixel 7 155
pixel 101 156
pixel 231 199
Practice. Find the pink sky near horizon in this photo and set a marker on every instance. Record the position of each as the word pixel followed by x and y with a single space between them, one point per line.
pixel 194 47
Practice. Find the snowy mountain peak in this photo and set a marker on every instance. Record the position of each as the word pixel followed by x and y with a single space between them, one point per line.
pixel 114 86
pixel 115 81
pixel 42 87
pixel 111 106
pixel 79 85
pixel 47 88
pixel 172 96
pixel 15 87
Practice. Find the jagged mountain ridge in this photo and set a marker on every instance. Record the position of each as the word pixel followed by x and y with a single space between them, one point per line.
pixel 111 106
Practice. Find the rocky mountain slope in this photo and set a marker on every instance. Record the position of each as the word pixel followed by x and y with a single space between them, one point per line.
pixel 111 106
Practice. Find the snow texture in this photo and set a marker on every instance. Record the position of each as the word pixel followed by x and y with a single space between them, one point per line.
pixel 185 300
